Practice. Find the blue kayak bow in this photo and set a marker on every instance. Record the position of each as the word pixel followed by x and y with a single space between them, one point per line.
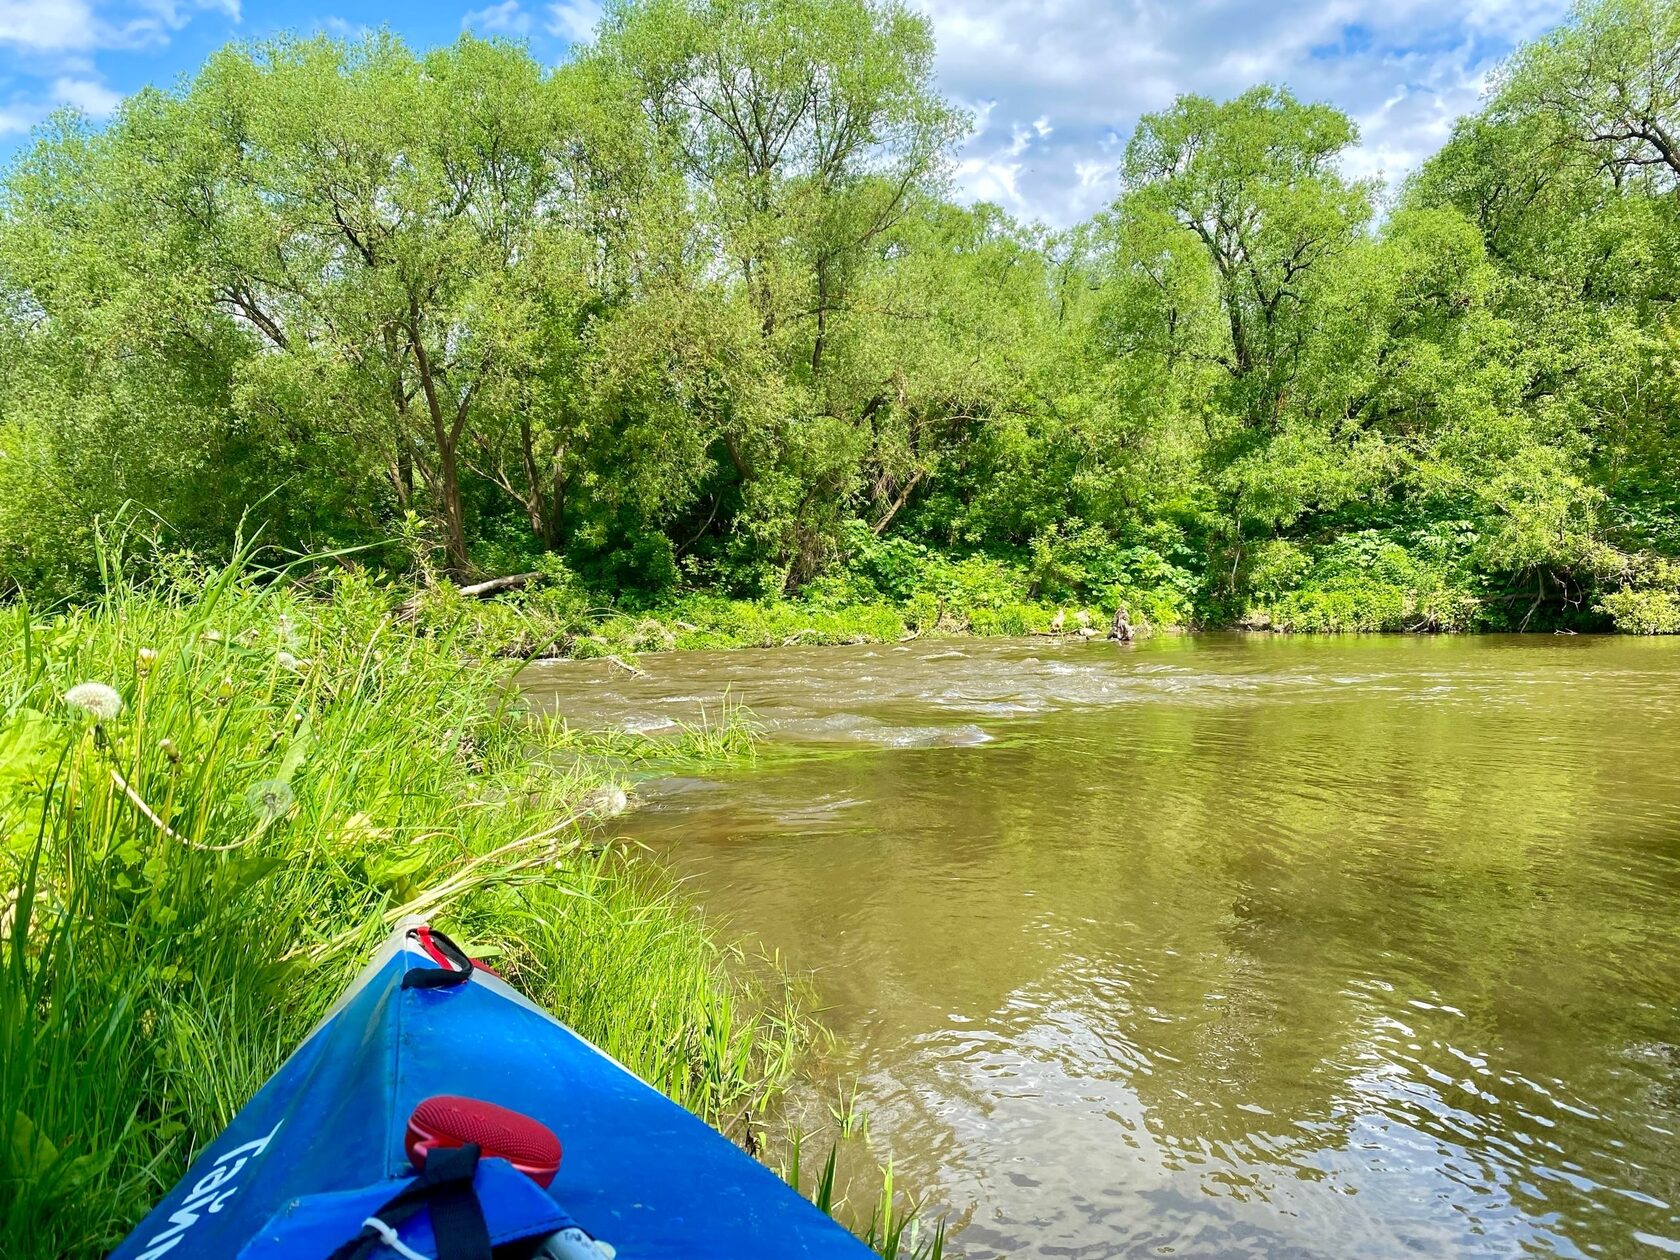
pixel 426 1116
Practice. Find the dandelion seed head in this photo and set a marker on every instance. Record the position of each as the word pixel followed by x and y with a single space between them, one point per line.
pixel 145 658
pixel 287 661
pixel 212 636
pixel 269 798
pixel 100 702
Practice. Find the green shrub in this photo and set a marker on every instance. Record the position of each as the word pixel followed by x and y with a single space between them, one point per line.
pixel 1011 619
pixel 1277 567
pixel 974 582
pixel 1648 611
pixel 1361 582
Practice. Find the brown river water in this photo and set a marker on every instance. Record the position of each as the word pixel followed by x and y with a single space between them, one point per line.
pixel 1217 946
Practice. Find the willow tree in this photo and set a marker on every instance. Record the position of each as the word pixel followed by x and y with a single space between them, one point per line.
pixel 599 426
pixel 112 394
pixel 1607 82
pixel 1257 181
pixel 1571 172
pixel 806 131
pixel 364 242
pixel 1253 187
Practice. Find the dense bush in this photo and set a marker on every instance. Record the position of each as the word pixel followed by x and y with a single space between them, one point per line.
pixel 1643 611
pixel 1650 604
pixel 1365 581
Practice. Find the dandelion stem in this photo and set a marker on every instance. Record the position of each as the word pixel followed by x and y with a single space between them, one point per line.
pixel 153 817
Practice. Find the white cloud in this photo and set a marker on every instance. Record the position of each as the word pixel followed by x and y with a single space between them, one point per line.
pixel 90 96
pixel 1095 174
pixel 16 121
pixel 49 50
pixel 343 28
pixel 48 25
pixel 986 179
pixel 1403 69
pixel 169 12
pixel 574 20
pixel 506 18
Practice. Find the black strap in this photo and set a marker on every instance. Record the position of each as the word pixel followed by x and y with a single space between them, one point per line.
pixel 434 978
pixel 445 1186
pixel 459 972
pixel 457 1216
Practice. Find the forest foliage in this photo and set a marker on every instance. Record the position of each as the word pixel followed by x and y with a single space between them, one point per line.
pixel 698 311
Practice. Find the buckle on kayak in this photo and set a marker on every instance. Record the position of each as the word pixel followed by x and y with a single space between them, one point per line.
pixel 444 1188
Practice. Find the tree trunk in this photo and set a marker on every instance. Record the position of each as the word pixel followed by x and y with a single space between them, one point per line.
pixel 454 512
pixel 898 503
pixel 544 498
pixel 822 321
pixel 446 432
pixel 402 467
pixel 533 480
pixel 402 473
pixel 407 610
pixel 737 457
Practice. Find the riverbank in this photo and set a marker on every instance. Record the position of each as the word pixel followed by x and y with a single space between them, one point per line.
pixel 552 615
pixel 217 793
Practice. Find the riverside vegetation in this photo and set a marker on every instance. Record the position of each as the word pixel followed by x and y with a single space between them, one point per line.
pixel 695 316
pixel 220 791
pixel 692 327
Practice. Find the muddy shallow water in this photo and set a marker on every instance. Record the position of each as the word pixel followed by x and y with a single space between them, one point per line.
pixel 1218 946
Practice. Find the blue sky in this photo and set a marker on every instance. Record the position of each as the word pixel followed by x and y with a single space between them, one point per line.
pixel 1055 86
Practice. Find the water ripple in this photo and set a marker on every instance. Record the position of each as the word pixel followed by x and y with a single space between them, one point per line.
pixel 1219 947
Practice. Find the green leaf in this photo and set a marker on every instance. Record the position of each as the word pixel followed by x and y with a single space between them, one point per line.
pixel 26 748
pixel 29 1154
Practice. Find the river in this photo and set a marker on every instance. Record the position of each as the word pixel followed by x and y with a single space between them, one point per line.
pixel 1216 946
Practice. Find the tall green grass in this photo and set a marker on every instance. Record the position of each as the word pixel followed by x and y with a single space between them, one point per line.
pixel 186 883
pixel 896 1230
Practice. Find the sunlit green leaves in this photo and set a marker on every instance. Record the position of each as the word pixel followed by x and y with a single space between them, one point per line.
pixel 681 309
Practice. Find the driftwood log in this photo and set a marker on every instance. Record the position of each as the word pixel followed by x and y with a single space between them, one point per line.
pixel 407 610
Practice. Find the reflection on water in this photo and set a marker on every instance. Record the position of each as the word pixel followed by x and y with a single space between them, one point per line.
pixel 1222 946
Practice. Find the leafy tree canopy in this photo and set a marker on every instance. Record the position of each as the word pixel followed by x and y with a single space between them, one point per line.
pixel 698 309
